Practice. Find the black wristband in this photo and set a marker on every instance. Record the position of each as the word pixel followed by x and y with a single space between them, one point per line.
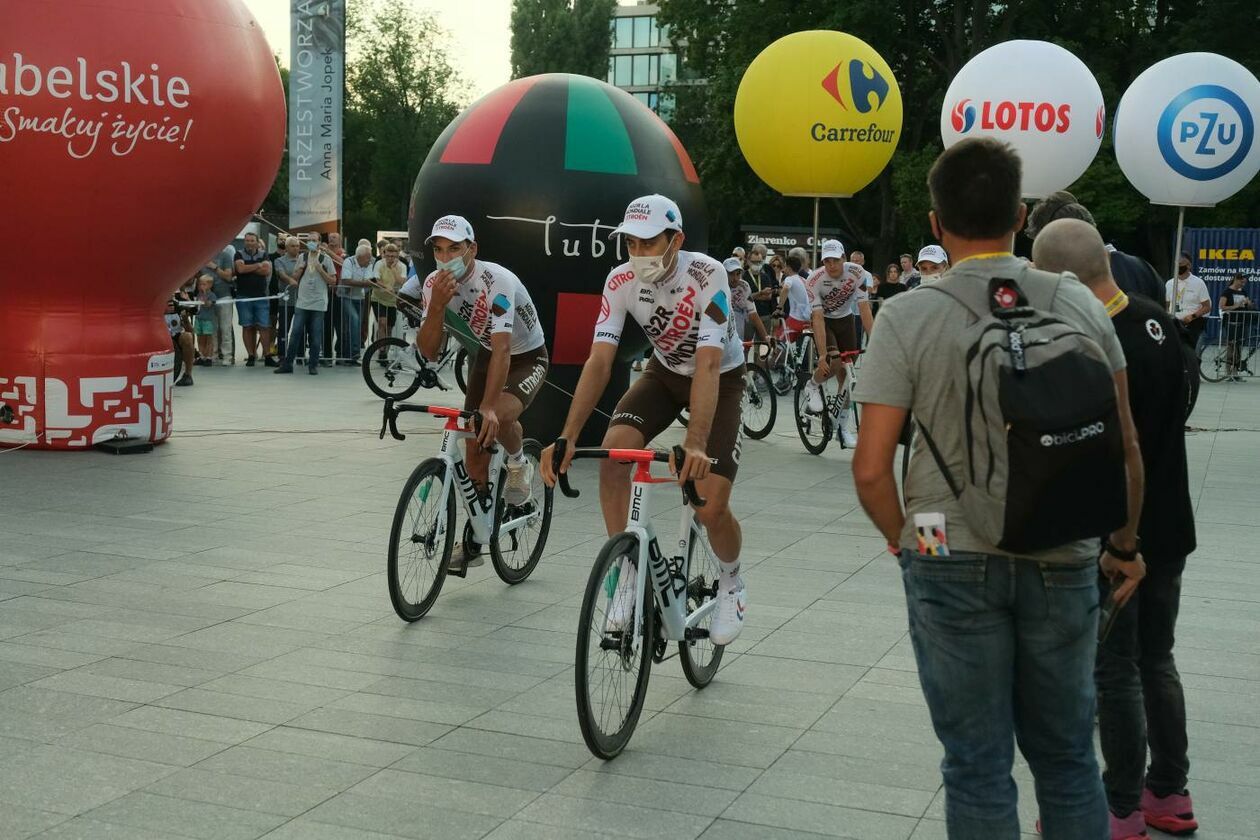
pixel 1109 548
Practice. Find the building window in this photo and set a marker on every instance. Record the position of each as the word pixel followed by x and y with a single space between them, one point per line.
pixel 623 37
pixel 669 68
pixel 642 70
pixel 622 68
pixel 644 31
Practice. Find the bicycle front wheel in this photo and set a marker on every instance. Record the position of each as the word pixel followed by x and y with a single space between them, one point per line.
pixel 1214 362
pixel 420 541
pixel 760 404
pixel 516 553
pixel 814 427
pixel 391 368
pixel 614 653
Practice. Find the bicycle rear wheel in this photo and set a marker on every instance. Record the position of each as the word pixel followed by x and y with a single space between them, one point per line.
pixel 760 405
pixel 611 676
pixel 700 658
pixel 420 541
pixel 516 553
pixel 391 368
pixel 1213 362
pixel 814 427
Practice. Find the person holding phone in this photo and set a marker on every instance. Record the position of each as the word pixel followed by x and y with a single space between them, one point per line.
pixel 1233 303
pixel 316 275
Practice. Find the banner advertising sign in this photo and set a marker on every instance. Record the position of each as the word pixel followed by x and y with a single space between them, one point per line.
pixel 1216 255
pixel 317 69
pixel 781 239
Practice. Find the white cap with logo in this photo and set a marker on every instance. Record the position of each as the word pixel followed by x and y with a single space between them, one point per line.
pixel 454 228
pixel 648 216
pixel 732 265
pixel 933 254
pixel 832 249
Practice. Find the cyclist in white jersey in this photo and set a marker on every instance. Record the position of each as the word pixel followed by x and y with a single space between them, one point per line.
pixel 742 306
pixel 835 290
pixel 681 300
pixel 795 297
pixel 492 304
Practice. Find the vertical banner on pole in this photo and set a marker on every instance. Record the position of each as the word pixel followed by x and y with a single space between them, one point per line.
pixel 317 70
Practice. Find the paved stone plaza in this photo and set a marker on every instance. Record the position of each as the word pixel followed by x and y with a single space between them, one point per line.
pixel 198 643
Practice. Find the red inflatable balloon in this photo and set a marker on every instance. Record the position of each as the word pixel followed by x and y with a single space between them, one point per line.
pixel 136 138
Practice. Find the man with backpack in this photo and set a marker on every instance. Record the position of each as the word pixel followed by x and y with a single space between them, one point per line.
pixel 1026 455
pixel 1140 699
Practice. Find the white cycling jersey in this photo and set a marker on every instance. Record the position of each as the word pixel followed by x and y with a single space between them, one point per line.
pixel 798 297
pixel 680 313
pixel 489 299
pixel 837 297
pixel 741 305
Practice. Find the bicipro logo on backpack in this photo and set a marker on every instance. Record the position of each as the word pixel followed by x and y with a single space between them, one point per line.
pixel 1075 436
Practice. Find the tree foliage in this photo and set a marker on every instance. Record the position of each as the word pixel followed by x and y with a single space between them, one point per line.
pixel 561 36
pixel 926 42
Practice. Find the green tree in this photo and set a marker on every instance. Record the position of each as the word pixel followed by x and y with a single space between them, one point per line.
pixel 561 36
pixel 276 205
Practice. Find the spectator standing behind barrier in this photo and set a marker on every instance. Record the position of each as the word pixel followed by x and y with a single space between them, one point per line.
pixel 285 269
pixel 1004 643
pixel 1140 699
pixel 390 276
pixel 358 274
pixel 909 275
pixel 223 266
pixel 1193 303
pixel 316 275
pixel 203 323
pixel 762 281
pixel 1233 303
pixel 331 320
pixel 253 270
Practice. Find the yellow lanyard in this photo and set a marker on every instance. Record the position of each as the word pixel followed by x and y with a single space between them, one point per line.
pixel 1116 304
pixel 989 256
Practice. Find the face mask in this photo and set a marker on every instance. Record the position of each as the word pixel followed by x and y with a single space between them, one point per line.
pixel 312 246
pixel 457 267
pixel 1182 269
pixel 755 265
pixel 651 269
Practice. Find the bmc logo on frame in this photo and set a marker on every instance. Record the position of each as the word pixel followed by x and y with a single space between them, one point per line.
pixel 1006 115
pixel 1205 132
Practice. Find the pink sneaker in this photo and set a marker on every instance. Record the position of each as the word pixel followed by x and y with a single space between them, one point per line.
pixel 1173 814
pixel 1132 827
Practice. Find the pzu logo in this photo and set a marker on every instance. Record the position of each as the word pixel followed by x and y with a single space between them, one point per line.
pixel 1205 132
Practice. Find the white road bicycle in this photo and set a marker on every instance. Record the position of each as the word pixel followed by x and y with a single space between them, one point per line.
pixel 423 534
pixel 674 601
pixel 817 428
pixel 394 369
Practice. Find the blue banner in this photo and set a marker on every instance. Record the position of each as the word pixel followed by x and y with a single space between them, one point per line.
pixel 1216 255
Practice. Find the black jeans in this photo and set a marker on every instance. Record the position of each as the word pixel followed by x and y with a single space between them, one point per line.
pixel 1140 700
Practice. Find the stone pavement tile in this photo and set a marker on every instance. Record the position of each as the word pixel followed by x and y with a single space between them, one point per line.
pixel 100 685
pixel 454 794
pixel 185 817
pixel 324 774
pixel 304 828
pixel 329 745
pixel 674 769
pixel 239 706
pixel 402 817
pixel 17 822
pixel 871 748
pixel 775 672
pixel 454 713
pixel 631 790
pixel 531 726
pixel 521 830
pixel 285 670
pixel 730 830
pixel 246 792
pixel 784 784
pixel 642 820
pixel 843 769
pixel 270 689
pixel 754 704
pixel 150 672
pixel 863 648
pixel 190 724
pixel 519 747
pixel 85 828
pixel 42 715
pixel 506 772
pixel 72 781
pixel 234 637
pixel 758 745
pixel 830 820
pixel 126 742
pixel 378 727
pixel 15 674
pixel 187 657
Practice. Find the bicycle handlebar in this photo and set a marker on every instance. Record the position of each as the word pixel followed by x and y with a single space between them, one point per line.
pixel 389 418
pixel 638 455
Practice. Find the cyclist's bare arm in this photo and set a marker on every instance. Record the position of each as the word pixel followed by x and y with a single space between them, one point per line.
pixel 704 394
pixel 759 327
pixel 496 377
pixel 590 387
pixel 864 308
pixel 429 338
pixel 820 341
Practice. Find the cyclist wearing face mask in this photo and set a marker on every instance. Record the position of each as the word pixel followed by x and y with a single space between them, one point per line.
pixel 490 302
pixel 682 302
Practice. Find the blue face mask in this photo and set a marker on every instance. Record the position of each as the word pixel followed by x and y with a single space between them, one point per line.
pixel 456 267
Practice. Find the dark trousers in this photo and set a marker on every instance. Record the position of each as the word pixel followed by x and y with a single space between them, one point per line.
pixel 1140 700
pixel 308 324
pixel 1191 332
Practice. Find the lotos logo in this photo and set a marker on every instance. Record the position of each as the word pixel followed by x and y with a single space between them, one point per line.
pixel 1205 132
pixel 963 116
pixel 1006 115
pixel 861 86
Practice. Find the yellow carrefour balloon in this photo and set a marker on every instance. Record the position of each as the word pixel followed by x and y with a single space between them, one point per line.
pixel 818 113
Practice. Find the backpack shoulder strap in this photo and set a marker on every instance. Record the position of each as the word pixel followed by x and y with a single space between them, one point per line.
pixel 940 461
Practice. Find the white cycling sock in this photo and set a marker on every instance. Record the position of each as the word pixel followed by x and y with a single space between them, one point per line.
pixel 518 456
pixel 729 575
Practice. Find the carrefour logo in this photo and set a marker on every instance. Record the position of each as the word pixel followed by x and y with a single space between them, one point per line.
pixel 1006 115
pixel 861 86
pixel 1205 132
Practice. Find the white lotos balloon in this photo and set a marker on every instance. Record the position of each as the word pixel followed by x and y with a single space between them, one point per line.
pixel 1036 96
pixel 1185 130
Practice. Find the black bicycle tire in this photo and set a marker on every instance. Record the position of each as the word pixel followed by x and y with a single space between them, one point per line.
pixel 369 365
pixel 599 743
pixel 405 609
pixel 1219 352
pixel 461 360
pixel 506 573
pixel 757 434
pixel 797 400
pixel 698 676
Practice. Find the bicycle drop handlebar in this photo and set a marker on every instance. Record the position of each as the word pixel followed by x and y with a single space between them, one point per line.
pixel 389 418
pixel 633 455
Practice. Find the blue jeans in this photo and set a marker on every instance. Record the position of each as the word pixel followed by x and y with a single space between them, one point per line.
pixel 349 336
pixel 1005 650
pixel 308 323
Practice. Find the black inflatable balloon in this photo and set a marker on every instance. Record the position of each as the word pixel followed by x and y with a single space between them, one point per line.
pixel 543 168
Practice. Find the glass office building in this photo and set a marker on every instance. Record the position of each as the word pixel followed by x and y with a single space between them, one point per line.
pixel 642 60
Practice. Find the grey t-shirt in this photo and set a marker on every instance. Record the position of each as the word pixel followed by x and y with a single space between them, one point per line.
pixel 312 290
pixel 911 363
pixel 289 266
pixel 224 260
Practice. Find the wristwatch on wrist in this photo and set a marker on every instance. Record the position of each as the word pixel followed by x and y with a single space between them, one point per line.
pixel 1110 548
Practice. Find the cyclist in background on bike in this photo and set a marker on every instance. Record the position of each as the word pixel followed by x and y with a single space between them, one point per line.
pixel 743 309
pixel 681 300
pixel 795 297
pixel 493 304
pixel 835 290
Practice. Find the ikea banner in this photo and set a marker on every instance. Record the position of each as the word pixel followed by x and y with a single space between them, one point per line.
pixel 317 70
pixel 1216 255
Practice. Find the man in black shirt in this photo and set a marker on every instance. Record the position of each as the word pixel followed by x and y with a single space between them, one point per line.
pixel 253 270
pixel 1140 699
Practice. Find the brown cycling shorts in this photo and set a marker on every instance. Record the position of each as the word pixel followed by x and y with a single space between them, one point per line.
pixel 653 403
pixel 526 372
pixel 841 334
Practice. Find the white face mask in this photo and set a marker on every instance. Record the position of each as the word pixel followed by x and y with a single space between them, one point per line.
pixel 652 269
pixel 755 265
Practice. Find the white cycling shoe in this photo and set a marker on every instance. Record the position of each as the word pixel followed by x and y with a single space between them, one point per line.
pixel 516 490
pixel 814 395
pixel 621 606
pixel 847 438
pixel 728 618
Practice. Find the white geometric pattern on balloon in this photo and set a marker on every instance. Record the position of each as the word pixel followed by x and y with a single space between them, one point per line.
pixel 107 407
pixel 18 394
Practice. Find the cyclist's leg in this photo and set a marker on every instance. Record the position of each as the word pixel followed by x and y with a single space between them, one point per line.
pixel 646 410
pixel 478 460
pixel 723 530
pixel 526 373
